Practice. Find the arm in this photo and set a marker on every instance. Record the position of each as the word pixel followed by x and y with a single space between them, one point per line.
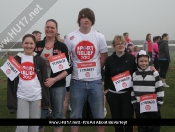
pixel 107 75
pixel 144 46
pixel 45 91
pixel 166 50
pixel 159 89
pixel 103 59
pixel 133 98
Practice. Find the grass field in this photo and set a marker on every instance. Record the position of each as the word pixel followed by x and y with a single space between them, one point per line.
pixel 167 111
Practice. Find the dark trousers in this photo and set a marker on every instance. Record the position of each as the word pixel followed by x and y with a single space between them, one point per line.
pixel 150 54
pixel 87 114
pixel 164 65
pixel 147 115
pixel 156 63
pixel 120 108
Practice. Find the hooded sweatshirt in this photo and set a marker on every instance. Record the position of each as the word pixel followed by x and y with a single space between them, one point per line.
pixel 164 50
pixel 115 65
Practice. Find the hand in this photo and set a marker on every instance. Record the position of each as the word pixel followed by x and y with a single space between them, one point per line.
pixel 152 68
pixel 105 92
pixel 49 82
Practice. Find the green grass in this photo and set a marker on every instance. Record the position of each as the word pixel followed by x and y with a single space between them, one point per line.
pixel 167 111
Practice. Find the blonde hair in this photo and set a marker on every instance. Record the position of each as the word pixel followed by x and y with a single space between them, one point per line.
pixel 135 48
pixel 118 39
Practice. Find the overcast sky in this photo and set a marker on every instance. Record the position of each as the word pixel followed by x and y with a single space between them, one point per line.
pixel 138 17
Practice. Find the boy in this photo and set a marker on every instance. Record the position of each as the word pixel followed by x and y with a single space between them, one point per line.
pixel 147 95
pixel 85 45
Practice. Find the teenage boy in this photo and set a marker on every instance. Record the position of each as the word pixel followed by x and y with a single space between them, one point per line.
pixel 85 45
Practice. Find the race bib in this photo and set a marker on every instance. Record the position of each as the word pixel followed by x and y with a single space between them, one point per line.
pixel 58 63
pixel 87 70
pixel 122 81
pixel 11 68
pixel 148 103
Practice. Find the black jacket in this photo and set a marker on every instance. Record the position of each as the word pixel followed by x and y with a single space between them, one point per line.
pixel 115 65
pixel 164 50
pixel 58 48
pixel 12 86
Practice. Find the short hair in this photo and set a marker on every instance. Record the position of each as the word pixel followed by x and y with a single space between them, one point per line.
pixel 147 36
pixel 54 21
pixel 86 12
pixel 124 34
pixel 36 32
pixel 164 35
pixel 117 39
pixel 135 47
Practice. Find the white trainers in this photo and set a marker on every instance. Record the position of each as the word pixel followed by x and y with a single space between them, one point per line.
pixel 69 108
pixel 165 85
pixel 105 112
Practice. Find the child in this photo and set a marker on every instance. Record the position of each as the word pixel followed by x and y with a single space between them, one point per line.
pixel 135 51
pixel 24 94
pixel 146 84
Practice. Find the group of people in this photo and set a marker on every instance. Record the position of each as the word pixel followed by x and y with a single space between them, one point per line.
pixel 127 77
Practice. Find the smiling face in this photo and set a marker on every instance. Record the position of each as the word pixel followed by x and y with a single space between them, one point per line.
pixel 143 62
pixel 50 29
pixel 28 45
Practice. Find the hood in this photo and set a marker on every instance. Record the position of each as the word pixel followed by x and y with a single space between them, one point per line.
pixel 161 42
pixel 142 53
pixel 20 54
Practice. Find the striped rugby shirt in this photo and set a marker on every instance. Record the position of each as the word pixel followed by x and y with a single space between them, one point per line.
pixel 146 82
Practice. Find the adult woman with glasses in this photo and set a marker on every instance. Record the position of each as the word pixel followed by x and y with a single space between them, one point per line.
pixel 119 68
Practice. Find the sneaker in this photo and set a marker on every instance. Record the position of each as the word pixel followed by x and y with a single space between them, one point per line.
pixel 69 108
pixel 105 112
pixel 165 85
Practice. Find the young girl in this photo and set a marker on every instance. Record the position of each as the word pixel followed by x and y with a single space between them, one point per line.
pixel 135 51
pixel 25 92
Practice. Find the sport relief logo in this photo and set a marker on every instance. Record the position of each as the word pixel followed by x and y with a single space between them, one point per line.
pixel 8 71
pixel 87 74
pixel 124 84
pixel 147 107
pixel 60 66
pixel 28 72
pixel 85 50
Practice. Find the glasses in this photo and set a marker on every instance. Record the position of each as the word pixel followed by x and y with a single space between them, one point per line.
pixel 120 44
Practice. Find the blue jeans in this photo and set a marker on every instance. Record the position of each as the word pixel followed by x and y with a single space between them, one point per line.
pixel 57 96
pixel 82 90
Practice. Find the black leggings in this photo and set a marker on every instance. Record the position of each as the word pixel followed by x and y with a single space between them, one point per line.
pixel 164 65
pixel 156 63
pixel 120 108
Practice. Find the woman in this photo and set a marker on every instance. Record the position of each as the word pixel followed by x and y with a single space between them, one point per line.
pixel 56 82
pixel 27 90
pixel 164 58
pixel 156 52
pixel 147 45
pixel 118 93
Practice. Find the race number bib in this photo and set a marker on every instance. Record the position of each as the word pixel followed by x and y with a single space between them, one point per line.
pixel 87 70
pixel 122 81
pixel 11 68
pixel 148 103
pixel 58 63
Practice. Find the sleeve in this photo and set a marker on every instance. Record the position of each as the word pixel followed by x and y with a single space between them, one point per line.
pixel 107 75
pixel 103 48
pixel 159 88
pixel 11 97
pixel 156 49
pixel 69 70
pixel 45 91
pixel 68 44
pixel 134 65
pixel 133 98
pixel 166 49
pixel 144 46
